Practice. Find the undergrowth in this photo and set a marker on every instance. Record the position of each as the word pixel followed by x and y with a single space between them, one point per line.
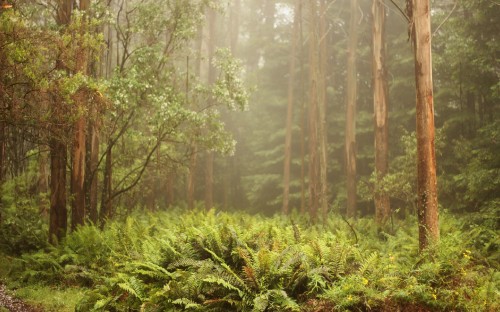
pixel 209 261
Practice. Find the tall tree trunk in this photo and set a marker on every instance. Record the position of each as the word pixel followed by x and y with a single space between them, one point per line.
pixel 380 107
pixel 303 119
pixel 427 203
pixel 78 152
pixel 350 129
pixel 323 141
pixel 58 211
pixel 58 222
pixel 313 112
pixel 209 160
pixel 289 111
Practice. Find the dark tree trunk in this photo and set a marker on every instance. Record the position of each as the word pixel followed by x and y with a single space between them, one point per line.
pixel 58 211
pixel 58 153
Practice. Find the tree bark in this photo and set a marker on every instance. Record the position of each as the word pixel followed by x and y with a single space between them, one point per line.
pixel 91 179
pixel 192 176
pixel 170 191
pixel 289 111
pixel 380 107
pixel 313 113
pixel 58 222
pixel 350 130
pixel 106 203
pixel 78 151
pixel 427 203
pixel 209 160
pixel 58 211
pixel 323 139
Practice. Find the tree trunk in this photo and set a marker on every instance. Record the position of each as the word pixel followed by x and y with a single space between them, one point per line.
pixel 350 130
pixel 380 107
pixel 427 203
pixel 91 179
pixel 192 176
pixel 58 222
pixel 209 160
pixel 170 192
pixel 58 210
pixel 303 119
pixel 106 204
pixel 2 161
pixel 78 175
pixel 323 140
pixel 289 111
pixel 313 113
pixel 78 152
pixel 43 182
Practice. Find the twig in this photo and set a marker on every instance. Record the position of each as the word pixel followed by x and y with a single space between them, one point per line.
pixel 447 17
pixel 401 11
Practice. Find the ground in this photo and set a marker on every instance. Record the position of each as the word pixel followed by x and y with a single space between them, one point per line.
pixel 8 303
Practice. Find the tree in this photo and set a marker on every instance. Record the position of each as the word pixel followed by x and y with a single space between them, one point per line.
pixel 351 97
pixel 419 12
pixel 209 161
pixel 379 71
pixel 313 112
pixel 323 141
pixel 79 138
pixel 289 111
pixel 58 150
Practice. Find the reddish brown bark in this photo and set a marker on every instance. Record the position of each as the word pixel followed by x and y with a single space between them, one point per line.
pixel 427 203
pixel 350 130
pixel 380 107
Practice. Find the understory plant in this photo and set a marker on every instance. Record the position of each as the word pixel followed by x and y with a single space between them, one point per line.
pixel 213 261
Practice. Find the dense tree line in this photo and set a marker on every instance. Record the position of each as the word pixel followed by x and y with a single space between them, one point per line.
pixel 111 106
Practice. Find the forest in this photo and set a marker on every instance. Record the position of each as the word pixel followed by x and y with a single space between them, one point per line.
pixel 249 155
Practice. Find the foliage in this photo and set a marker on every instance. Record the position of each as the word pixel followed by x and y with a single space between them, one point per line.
pixel 23 225
pixel 212 261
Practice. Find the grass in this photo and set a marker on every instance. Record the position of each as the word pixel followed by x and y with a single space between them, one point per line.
pixel 49 298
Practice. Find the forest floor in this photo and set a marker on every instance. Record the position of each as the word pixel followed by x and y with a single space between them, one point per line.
pixel 14 304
